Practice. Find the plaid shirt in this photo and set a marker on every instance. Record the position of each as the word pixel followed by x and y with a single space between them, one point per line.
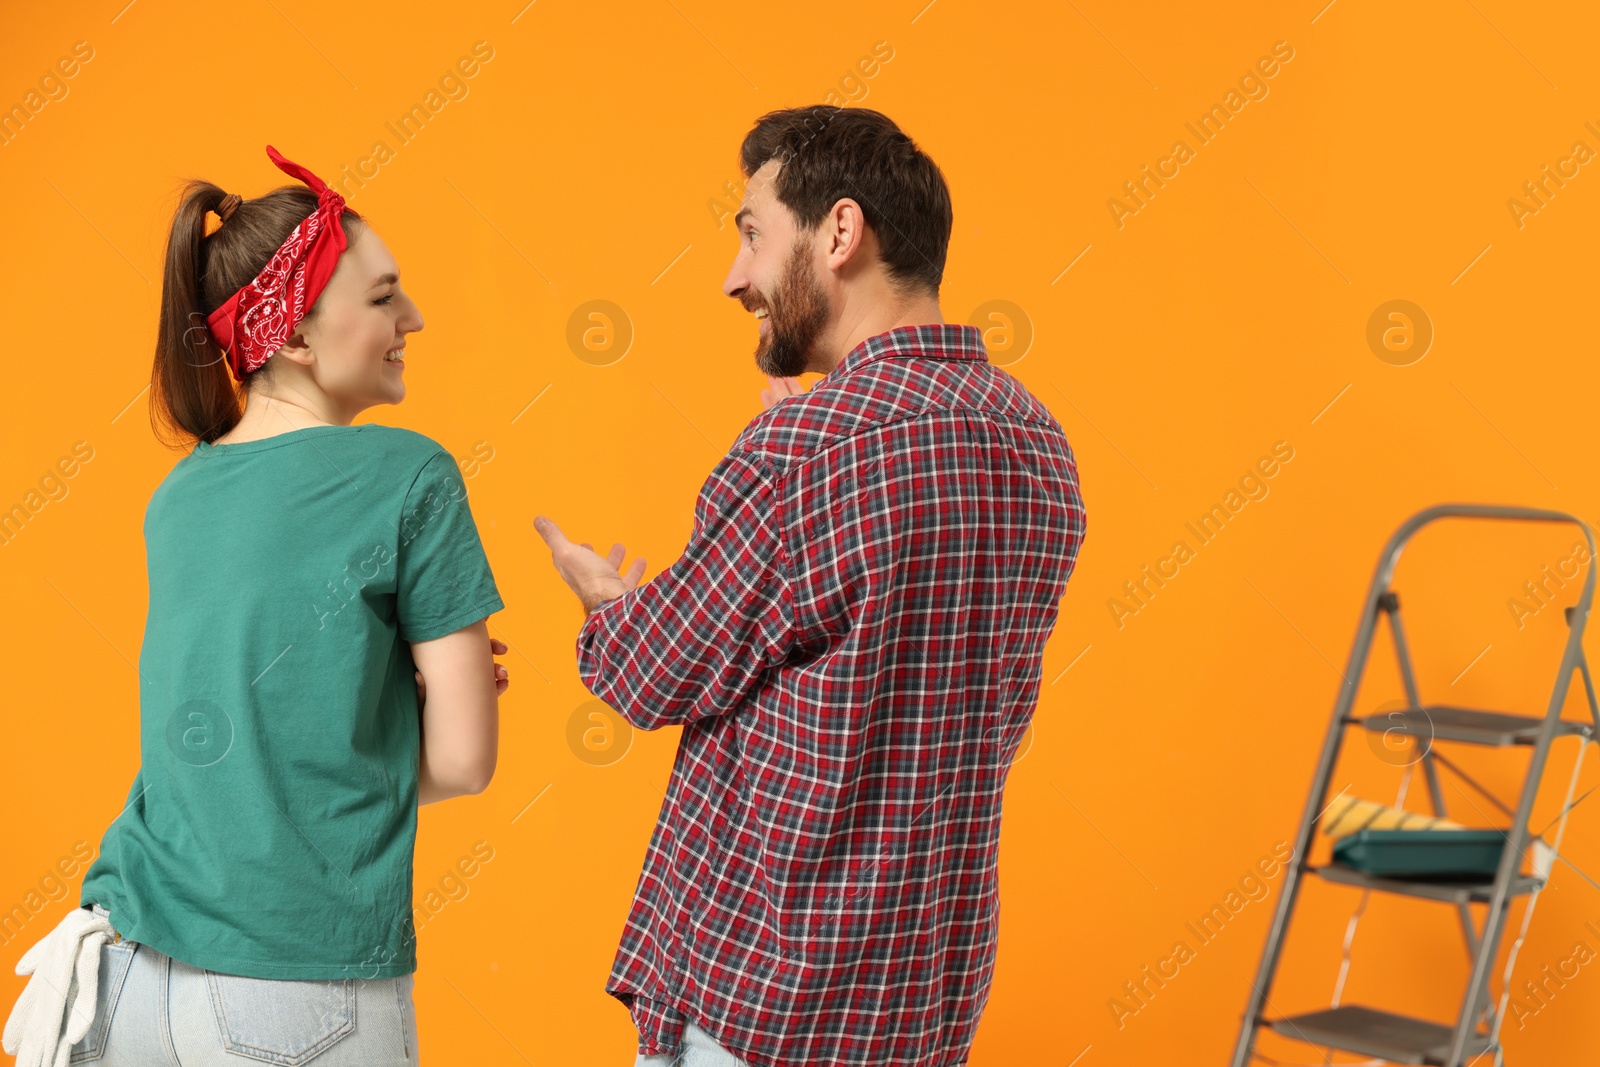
pixel 852 643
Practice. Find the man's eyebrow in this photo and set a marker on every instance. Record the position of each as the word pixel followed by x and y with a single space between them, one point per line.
pixel 738 220
pixel 385 279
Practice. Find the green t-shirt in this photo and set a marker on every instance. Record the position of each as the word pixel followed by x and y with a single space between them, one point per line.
pixel 269 830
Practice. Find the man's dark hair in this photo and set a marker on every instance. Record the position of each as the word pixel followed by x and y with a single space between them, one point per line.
pixel 829 153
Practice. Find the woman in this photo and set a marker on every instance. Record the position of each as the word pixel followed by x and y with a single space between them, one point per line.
pixel 316 663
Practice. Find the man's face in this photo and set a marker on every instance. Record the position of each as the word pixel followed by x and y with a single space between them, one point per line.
pixel 774 277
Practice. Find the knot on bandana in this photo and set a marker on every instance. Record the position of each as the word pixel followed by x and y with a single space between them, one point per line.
pixel 256 321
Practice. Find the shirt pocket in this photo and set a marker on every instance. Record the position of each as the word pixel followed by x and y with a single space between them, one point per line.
pixel 115 958
pixel 281 1021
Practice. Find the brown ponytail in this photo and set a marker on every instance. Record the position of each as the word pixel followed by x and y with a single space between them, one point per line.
pixel 193 392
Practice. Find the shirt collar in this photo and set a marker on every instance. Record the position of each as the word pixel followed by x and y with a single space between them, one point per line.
pixel 934 340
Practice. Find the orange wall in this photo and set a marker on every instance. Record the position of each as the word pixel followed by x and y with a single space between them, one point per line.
pixel 1178 344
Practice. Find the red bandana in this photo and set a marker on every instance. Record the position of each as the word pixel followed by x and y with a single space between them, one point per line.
pixel 257 320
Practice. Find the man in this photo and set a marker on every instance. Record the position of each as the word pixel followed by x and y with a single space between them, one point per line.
pixel 851 641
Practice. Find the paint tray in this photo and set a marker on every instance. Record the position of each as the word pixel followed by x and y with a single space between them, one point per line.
pixel 1422 853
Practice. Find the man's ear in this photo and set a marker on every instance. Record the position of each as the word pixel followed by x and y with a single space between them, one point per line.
pixel 846 232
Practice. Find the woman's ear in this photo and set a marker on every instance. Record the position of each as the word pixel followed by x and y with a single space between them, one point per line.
pixel 297 349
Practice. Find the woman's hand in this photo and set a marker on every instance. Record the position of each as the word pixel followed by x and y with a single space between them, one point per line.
pixel 502 678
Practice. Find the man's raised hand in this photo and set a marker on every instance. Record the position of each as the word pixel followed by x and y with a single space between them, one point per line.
pixel 593 577
pixel 778 388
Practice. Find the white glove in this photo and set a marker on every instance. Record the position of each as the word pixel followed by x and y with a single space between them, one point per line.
pixel 51 1015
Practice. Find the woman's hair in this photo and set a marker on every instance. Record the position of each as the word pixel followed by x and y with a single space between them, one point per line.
pixel 192 387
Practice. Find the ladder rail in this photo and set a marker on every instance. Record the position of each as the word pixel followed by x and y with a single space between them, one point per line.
pixel 1469 928
pixel 1355 667
pixel 1517 839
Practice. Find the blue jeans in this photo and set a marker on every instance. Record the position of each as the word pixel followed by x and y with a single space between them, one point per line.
pixel 698 1049
pixel 153 1011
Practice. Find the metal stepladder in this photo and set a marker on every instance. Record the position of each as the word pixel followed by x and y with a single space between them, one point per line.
pixel 1386 1035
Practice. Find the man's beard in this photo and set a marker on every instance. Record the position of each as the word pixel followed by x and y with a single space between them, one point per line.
pixel 796 317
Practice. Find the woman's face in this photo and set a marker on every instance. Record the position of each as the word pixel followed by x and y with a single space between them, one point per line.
pixel 361 319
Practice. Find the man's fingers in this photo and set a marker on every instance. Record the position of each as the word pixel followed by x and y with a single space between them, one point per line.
pixel 497 646
pixel 549 531
pixel 616 556
pixel 635 572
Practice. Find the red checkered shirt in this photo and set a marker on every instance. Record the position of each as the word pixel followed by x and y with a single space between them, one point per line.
pixel 852 643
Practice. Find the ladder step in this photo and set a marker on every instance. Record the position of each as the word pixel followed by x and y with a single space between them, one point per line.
pixel 1396 1038
pixel 1472 890
pixel 1469 725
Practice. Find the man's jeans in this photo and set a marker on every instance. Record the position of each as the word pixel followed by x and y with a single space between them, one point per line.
pixel 697 1049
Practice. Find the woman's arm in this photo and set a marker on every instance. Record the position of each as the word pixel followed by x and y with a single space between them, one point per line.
pixel 458 693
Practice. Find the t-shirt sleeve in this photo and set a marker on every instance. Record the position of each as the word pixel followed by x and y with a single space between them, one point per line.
pixel 443 581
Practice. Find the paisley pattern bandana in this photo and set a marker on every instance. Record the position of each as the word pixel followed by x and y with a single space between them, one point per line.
pixel 257 320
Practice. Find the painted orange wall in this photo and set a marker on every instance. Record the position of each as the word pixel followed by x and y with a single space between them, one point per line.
pixel 1180 338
